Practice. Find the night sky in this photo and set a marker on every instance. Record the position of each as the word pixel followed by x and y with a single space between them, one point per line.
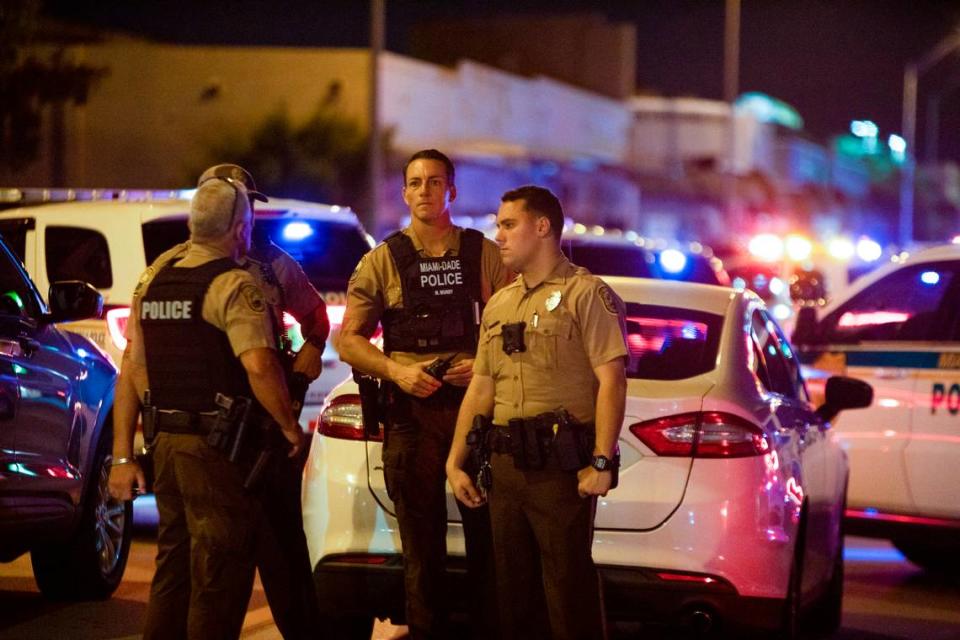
pixel 834 61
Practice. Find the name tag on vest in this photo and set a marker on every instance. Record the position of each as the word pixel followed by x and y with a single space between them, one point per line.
pixel 166 310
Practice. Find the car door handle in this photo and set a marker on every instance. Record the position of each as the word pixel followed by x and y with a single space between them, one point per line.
pixel 11 348
pixel 892 374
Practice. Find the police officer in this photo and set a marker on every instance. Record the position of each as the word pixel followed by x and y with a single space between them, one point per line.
pixel 426 284
pixel 283 558
pixel 200 326
pixel 551 357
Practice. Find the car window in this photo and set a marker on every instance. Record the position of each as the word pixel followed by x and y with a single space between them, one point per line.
pixel 610 259
pixel 791 362
pixel 667 343
pixel 76 253
pixel 906 305
pixel 781 371
pixel 14 231
pixel 160 235
pixel 17 296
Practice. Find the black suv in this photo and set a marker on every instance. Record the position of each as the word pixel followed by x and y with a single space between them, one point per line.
pixel 56 401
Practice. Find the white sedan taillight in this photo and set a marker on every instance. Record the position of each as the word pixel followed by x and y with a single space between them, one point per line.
pixel 702 434
pixel 343 419
pixel 117 326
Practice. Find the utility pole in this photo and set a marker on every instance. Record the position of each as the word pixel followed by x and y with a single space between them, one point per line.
pixel 731 82
pixel 911 78
pixel 371 217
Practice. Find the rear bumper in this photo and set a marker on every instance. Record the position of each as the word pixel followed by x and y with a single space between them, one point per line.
pixel 873 523
pixel 372 585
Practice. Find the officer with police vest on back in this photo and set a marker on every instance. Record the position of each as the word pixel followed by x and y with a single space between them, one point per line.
pixel 201 344
pixel 283 558
pixel 426 285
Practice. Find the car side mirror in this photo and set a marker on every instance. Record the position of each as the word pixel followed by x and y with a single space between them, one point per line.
pixel 844 393
pixel 74 300
pixel 805 328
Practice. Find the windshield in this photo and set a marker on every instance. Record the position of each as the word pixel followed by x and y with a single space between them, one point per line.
pixel 610 259
pixel 327 250
pixel 667 343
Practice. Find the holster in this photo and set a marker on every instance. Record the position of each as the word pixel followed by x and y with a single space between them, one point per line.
pixel 534 440
pixel 478 440
pixel 371 402
pixel 148 419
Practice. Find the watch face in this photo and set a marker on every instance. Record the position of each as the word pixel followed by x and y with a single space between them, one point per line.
pixel 600 463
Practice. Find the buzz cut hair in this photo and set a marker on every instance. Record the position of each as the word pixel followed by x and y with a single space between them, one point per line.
pixel 431 154
pixel 541 202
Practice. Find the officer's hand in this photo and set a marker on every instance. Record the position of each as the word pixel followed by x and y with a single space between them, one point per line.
pixel 295 436
pixel 593 482
pixel 309 361
pixel 415 381
pixel 463 488
pixel 460 374
pixel 122 479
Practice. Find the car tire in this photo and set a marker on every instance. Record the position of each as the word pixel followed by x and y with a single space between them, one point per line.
pixel 353 627
pixel 826 613
pixel 790 616
pixel 936 558
pixel 89 566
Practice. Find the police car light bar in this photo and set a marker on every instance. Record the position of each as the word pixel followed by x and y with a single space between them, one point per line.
pixel 28 196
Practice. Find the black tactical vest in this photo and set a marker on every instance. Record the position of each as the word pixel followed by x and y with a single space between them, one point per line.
pixel 188 359
pixel 441 298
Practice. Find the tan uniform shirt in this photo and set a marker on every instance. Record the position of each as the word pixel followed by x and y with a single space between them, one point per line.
pixel 295 294
pixel 375 287
pixel 234 304
pixel 574 323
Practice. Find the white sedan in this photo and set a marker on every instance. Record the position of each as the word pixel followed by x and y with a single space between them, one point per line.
pixel 732 487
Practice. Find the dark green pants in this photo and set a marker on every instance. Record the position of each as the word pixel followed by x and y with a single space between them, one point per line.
pixel 547 585
pixel 205 543
pixel 416 444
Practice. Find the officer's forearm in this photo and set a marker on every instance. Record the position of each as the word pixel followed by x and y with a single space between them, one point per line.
pixel 611 404
pixel 126 408
pixel 357 351
pixel 477 401
pixel 315 326
pixel 267 383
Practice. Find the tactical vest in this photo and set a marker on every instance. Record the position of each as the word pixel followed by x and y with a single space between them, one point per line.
pixel 188 359
pixel 441 298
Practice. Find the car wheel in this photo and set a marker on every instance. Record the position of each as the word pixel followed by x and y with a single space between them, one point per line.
pixel 353 627
pixel 89 566
pixel 790 616
pixel 827 612
pixel 932 557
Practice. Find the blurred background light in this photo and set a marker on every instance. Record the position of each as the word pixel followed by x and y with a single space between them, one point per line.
pixel 766 246
pixel 840 248
pixel 673 261
pixel 798 248
pixel 869 250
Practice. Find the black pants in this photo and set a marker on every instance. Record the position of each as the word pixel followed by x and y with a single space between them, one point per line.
pixel 417 441
pixel 281 551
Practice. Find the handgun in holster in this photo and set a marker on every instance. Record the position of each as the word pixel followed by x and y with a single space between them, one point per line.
pixel 232 416
pixel 370 402
pixel 148 419
pixel 570 443
pixel 478 439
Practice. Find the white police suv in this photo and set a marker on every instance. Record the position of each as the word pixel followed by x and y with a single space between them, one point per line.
pixel 898 328
pixel 108 237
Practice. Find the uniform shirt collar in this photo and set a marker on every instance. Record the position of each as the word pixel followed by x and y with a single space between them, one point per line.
pixel 196 250
pixel 452 240
pixel 563 270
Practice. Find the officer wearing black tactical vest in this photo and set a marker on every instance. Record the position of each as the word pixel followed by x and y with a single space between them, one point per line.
pixel 427 285
pixel 201 361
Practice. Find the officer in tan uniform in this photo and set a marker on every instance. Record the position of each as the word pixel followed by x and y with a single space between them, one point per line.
pixel 550 370
pixel 200 326
pixel 426 285
pixel 283 558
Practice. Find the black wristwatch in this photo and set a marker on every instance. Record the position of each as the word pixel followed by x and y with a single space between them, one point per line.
pixel 602 463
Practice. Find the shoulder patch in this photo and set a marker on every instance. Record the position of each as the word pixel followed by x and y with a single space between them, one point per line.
pixel 608 300
pixel 146 277
pixel 357 269
pixel 253 297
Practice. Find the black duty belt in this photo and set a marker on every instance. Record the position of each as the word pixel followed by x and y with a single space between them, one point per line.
pixel 499 439
pixel 185 422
